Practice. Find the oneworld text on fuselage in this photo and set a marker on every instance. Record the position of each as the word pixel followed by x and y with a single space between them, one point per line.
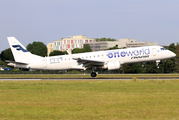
pixel 134 54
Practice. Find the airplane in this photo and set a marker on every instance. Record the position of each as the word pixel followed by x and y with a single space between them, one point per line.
pixel 108 59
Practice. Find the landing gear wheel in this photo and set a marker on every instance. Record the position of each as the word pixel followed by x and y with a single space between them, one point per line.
pixel 93 74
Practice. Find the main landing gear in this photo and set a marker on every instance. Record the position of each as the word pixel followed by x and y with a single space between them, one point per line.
pixel 93 74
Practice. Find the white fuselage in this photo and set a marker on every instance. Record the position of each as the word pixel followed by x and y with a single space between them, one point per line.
pixel 124 56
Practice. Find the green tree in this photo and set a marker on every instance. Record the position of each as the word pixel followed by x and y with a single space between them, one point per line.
pixel 162 66
pixel 7 55
pixel 57 52
pixel 171 63
pixel 37 48
pixel 125 68
pixel 2 64
pixel 105 39
pixel 86 48
pixel 137 68
pixel 169 66
pixel 77 50
pixel 172 47
pixel 150 67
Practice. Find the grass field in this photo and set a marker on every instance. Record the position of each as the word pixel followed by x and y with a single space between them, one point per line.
pixel 114 100
pixel 88 76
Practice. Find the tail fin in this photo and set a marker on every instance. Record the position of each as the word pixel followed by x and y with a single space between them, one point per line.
pixel 20 53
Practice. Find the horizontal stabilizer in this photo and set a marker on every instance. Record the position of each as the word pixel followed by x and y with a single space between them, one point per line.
pixel 8 61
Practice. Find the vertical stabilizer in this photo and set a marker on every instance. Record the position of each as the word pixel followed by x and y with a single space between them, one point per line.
pixel 20 53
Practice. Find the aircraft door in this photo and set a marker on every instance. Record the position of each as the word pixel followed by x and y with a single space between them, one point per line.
pixel 154 52
pixel 45 63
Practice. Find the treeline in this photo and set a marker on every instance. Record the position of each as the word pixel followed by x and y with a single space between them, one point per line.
pixel 105 39
pixel 165 66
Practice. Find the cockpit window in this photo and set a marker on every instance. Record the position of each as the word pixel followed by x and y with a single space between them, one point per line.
pixel 163 49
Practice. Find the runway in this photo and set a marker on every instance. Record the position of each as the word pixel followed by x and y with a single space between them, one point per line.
pixel 32 79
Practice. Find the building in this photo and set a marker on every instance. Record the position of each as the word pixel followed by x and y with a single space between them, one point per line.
pixel 49 48
pixel 122 43
pixel 69 43
pixel 78 41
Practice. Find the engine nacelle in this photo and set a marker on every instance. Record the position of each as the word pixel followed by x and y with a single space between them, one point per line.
pixel 113 65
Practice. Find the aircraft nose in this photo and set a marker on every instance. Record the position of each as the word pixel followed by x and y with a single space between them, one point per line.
pixel 172 54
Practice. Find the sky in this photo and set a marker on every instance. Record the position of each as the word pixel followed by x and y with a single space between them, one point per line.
pixel 49 20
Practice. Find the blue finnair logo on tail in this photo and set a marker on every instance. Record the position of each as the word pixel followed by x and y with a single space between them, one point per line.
pixel 18 47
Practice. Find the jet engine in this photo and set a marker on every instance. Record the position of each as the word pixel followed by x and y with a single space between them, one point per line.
pixel 113 65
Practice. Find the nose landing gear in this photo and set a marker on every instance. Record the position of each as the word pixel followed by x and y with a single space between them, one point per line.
pixel 157 62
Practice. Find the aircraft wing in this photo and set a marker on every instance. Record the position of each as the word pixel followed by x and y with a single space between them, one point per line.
pixel 87 63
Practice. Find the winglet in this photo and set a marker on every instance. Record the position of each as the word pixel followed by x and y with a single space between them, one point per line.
pixel 68 52
pixel 72 56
